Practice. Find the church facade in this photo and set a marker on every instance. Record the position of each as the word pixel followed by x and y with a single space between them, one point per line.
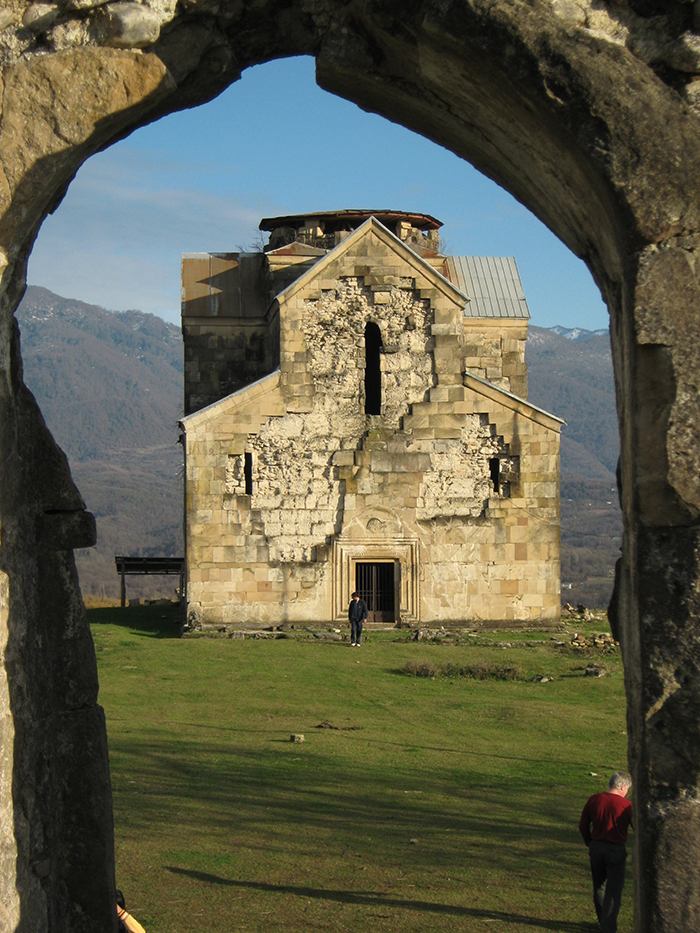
pixel 357 419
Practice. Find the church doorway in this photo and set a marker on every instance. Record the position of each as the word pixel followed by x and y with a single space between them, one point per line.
pixel 375 582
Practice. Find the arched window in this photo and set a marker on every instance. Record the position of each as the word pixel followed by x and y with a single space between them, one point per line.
pixel 373 372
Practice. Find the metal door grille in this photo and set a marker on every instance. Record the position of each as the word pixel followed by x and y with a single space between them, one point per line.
pixel 375 584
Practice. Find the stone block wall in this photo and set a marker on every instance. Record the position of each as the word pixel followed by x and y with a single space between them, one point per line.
pixel 222 357
pixel 495 350
pixel 479 555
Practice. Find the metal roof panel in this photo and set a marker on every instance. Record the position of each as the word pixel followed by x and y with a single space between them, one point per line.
pixel 493 284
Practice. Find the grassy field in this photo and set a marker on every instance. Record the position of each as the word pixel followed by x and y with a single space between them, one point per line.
pixel 415 803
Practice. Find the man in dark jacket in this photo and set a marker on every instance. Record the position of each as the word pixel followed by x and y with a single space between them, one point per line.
pixel 604 823
pixel 357 613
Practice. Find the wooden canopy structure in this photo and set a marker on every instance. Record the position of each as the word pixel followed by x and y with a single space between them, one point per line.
pixel 148 566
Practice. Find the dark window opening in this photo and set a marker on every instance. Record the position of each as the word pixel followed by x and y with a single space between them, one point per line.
pixel 495 471
pixel 248 473
pixel 373 372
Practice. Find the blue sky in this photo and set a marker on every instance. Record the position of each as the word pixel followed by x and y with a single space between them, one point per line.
pixel 274 143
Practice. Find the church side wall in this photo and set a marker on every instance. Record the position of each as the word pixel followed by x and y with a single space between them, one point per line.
pixel 231 336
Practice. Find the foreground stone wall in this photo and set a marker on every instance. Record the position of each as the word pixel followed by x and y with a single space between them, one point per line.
pixel 586 110
pixel 56 847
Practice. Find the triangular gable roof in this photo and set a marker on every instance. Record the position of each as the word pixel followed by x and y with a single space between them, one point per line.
pixel 386 236
pixel 511 401
pixel 230 402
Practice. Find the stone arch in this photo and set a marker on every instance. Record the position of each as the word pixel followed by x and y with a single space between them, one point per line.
pixel 584 110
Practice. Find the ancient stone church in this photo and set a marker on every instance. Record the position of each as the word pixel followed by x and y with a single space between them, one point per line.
pixel 358 420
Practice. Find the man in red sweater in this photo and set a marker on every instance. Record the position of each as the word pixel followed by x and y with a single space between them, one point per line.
pixel 603 825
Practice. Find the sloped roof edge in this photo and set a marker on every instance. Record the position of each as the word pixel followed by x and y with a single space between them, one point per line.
pixel 296 249
pixel 514 402
pixel 234 400
pixel 390 239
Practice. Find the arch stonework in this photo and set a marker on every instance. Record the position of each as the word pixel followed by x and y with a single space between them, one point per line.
pixel 588 112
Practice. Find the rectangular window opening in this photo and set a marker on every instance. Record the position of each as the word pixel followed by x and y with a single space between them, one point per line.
pixel 495 471
pixel 248 473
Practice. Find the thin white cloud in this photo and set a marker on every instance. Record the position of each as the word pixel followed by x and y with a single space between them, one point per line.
pixel 117 238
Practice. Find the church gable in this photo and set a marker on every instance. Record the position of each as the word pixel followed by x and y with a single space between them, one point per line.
pixel 346 333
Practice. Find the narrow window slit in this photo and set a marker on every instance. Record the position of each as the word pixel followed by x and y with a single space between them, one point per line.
pixel 373 371
pixel 248 473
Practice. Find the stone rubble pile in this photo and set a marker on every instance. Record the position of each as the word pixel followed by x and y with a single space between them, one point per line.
pixel 601 640
pixel 582 612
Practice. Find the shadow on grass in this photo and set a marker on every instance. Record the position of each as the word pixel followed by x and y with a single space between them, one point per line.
pixel 406 746
pixel 376 899
pixel 149 621
pixel 285 800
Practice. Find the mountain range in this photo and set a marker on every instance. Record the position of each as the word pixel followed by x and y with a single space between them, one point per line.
pixel 110 386
pixel 570 374
pixel 573 378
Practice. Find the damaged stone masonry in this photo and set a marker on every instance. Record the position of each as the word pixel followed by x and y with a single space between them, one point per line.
pixel 357 419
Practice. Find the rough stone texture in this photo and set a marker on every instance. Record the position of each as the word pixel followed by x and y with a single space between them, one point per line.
pixel 586 111
pixel 496 356
pixel 131 25
pixel 59 824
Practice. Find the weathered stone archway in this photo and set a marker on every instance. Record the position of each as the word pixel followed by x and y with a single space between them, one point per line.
pixel 584 110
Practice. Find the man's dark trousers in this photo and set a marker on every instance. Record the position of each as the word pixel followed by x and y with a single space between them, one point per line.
pixel 608 873
pixel 356 630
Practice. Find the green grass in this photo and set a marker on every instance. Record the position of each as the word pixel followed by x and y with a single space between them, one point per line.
pixel 435 803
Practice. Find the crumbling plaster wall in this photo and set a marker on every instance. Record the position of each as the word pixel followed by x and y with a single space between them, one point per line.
pixel 480 555
pixel 334 331
pixel 587 110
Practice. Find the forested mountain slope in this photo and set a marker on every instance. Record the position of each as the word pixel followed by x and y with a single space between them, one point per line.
pixel 110 388
pixel 570 374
